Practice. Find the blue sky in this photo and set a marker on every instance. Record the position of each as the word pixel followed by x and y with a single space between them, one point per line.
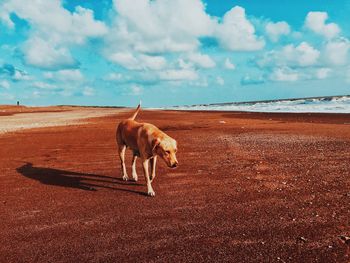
pixel 171 52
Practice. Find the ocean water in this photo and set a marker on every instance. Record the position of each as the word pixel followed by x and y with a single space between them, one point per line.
pixel 339 104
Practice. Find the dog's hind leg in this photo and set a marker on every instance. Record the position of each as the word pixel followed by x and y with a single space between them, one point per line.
pixel 153 168
pixel 133 167
pixel 122 149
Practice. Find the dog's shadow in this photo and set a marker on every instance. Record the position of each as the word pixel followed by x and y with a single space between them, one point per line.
pixel 63 178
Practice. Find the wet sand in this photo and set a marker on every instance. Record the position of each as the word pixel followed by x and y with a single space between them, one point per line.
pixel 251 187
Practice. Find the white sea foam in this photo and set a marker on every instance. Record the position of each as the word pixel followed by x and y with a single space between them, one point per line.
pixel 326 105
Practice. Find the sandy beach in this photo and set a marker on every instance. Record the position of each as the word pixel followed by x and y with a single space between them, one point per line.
pixel 20 118
pixel 250 187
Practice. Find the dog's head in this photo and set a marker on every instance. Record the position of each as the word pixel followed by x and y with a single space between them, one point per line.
pixel 166 148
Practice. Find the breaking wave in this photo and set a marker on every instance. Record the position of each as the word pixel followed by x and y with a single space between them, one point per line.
pixel 336 104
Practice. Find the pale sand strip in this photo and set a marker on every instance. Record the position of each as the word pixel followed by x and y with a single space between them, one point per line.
pixel 49 119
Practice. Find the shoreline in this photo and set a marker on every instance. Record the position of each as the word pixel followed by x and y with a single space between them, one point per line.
pixel 14 118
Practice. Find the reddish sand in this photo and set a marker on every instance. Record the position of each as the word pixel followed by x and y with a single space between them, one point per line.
pixel 250 188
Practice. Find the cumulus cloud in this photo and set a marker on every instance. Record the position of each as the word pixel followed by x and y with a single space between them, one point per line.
pixel 129 61
pixel 323 73
pixel 66 75
pixel 136 90
pixel 337 52
pixel 220 81
pixel 201 60
pixel 53 30
pixel 276 30
pixel 114 77
pixel 13 73
pixel 88 91
pixel 159 26
pixel 4 84
pixel 43 85
pixel 236 32
pixel 284 74
pixel 5 17
pixel 178 75
pixel 43 54
pixel 302 55
pixel 316 22
pixel 201 83
pixel 229 65
pixel 252 80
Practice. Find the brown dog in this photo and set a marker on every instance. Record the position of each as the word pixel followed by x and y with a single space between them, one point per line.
pixel 147 142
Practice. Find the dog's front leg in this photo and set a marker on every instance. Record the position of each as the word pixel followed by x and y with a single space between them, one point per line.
pixel 153 167
pixel 150 191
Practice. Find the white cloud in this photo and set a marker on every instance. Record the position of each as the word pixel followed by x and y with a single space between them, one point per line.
pixel 126 60
pixel 178 75
pixel 130 61
pixel 201 60
pixel 114 77
pixel 144 27
pixel 323 73
pixel 4 84
pixel 40 53
pixel 136 90
pixel 284 74
pixel 158 26
pixel 229 65
pixel 88 91
pixel 53 30
pixel 184 65
pixel 316 21
pixel 152 62
pixel 70 75
pixel 337 52
pixel 21 75
pixel 252 80
pixel 220 81
pixel 14 73
pixel 275 30
pixel 303 55
pixel 5 17
pixel 236 32
pixel 66 75
pixel 43 85
pixel 201 83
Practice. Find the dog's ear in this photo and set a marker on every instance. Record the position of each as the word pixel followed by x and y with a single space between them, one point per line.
pixel 155 143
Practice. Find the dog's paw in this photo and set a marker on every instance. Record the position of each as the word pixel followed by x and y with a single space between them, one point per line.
pixel 151 193
pixel 125 177
pixel 135 177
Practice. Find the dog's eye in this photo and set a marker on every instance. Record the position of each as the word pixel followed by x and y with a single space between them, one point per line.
pixel 167 152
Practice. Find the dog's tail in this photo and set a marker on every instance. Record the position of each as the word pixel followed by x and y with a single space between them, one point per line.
pixel 136 112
